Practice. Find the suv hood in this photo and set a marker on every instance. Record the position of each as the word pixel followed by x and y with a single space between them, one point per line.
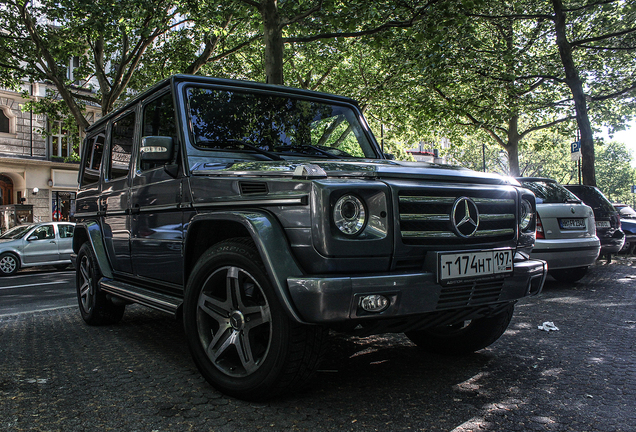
pixel 368 168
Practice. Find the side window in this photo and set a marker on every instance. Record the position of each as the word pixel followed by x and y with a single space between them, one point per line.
pixel 121 145
pixel 159 120
pixel 66 231
pixel 45 232
pixel 93 163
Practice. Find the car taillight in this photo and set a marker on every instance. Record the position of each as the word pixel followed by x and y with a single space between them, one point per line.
pixel 540 234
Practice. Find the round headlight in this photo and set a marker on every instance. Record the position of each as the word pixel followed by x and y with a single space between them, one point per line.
pixel 526 215
pixel 349 215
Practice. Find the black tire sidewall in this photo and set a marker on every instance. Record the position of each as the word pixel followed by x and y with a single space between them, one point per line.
pixel 256 385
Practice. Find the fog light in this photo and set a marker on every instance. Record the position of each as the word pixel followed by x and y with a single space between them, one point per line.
pixel 374 303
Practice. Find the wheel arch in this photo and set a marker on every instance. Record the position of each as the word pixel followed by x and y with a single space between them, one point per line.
pixel 91 232
pixel 205 230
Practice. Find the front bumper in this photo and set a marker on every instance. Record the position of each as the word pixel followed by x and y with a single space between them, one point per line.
pixel 336 299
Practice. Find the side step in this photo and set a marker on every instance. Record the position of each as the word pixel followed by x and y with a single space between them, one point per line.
pixel 162 302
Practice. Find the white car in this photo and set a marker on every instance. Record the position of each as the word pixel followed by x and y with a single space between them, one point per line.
pixel 566 230
pixel 47 243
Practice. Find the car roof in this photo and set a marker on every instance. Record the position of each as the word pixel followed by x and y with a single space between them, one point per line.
pixel 535 179
pixel 222 82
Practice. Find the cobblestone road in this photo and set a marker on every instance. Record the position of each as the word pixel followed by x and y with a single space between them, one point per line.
pixel 58 374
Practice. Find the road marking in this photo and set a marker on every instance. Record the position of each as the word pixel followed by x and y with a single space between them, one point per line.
pixel 37 310
pixel 36 284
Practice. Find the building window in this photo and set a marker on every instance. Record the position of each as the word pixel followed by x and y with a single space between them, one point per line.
pixel 60 143
pixel 4 122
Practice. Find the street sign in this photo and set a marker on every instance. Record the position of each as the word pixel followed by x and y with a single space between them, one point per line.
pixel 575 152
pixel 633 188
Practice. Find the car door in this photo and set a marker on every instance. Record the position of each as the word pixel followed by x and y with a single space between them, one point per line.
pixel 156 198
pixel 114 201
pixel 40 245
pixel 65 240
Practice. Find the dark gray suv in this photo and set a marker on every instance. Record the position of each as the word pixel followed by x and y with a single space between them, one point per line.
pixel 264 216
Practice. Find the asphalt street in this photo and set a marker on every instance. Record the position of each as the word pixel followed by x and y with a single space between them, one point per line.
pixel 37 289
pixel 56 373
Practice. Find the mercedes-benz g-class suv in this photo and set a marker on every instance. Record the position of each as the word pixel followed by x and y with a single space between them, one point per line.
pixel 265 216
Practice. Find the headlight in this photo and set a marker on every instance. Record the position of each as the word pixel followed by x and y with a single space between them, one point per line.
pixel 527 214
pixel 349 215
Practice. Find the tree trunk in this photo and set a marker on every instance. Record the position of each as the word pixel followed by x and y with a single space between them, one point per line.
pixel 512 146
pixel 576 87
pixel 273 39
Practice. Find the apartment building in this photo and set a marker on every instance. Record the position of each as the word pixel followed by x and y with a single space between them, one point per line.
pixel 33 170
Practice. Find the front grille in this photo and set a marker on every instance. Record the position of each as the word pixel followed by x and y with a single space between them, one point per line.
pixel 469 295
pixel 425 216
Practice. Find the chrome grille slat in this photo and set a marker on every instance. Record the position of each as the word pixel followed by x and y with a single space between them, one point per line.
pixel 425 219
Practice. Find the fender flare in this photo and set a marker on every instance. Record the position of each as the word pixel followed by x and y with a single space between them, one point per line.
pixel 93 233
pixel 269 238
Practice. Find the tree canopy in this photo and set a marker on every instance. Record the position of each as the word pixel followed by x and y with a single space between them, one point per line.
pixel 476 72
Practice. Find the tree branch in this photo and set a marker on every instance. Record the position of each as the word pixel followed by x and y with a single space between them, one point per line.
pixel 386 26
pixel 301 16
pixel 602 37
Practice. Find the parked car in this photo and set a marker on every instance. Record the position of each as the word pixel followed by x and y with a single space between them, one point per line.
pixel 608 223
pixel 47 243
pixel 265 216
pixel 628 225
pixel 566 230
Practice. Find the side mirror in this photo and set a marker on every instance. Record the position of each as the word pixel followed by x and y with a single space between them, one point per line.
pixel 389 156
pixel 33 237
pixel 157 149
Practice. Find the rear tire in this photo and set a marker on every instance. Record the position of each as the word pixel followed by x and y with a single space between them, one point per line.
pixel 239 336
pixel 568 275
pixel 9 264
pixel 464 338
pixel 94 306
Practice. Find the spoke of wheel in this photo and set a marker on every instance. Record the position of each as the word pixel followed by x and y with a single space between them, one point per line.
pixel 217 310
pixel 86 287
pixel 232 286
pixel 224 339
pixel 256 316
pixel 244 350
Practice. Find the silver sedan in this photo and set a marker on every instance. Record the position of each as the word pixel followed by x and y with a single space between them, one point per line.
pixel 47 243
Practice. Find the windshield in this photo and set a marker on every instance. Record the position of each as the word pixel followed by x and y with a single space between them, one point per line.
pixel 16 232
pixel 248 126
pixel 549 192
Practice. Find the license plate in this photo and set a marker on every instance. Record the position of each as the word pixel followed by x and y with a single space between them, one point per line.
pixel 474 264
pixel 603 224
pixel 572 223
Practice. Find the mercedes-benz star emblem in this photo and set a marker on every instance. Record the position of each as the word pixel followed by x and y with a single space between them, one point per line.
pixel 465 217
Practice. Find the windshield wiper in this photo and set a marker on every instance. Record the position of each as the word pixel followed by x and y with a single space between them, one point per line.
pixel 307 149
pixel 238 144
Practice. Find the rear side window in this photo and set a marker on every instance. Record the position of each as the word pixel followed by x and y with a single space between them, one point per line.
pixel 66 231
pixel 93 162
pixel 121 145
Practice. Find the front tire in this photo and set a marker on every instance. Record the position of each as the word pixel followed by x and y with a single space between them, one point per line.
pixel 569 275
pixel 9 264
pixel 463 338
pixel 239 336
pixel 95 307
